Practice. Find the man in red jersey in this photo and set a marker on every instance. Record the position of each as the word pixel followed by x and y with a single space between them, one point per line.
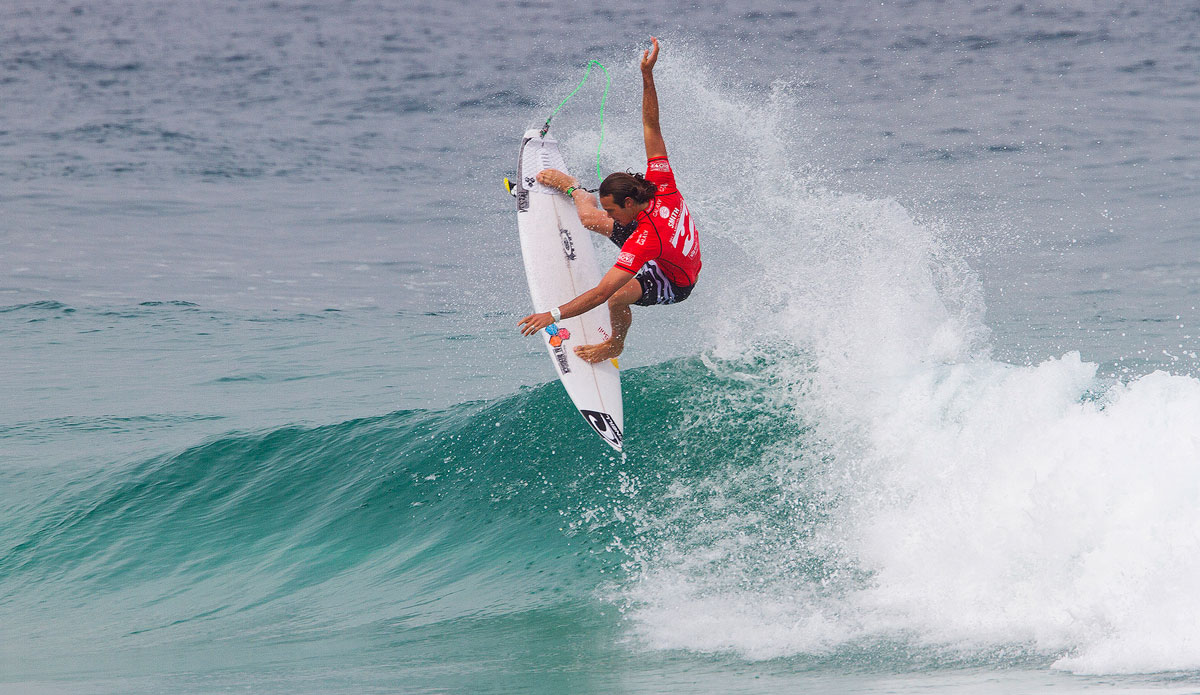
pixel 646 217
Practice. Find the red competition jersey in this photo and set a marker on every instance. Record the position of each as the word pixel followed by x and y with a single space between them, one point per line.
pixel 666 232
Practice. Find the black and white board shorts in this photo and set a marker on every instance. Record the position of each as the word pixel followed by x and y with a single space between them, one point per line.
pixel 657 289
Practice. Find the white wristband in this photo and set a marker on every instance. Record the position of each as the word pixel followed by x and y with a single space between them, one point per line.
pixel 556 314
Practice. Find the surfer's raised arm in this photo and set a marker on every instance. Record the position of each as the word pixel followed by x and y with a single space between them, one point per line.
pixel 590 214
pixel 655 147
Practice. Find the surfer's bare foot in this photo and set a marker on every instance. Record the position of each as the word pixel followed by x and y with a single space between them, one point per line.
pixel 600 351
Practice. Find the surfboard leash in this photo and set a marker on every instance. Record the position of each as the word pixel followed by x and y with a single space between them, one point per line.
pixel 603 100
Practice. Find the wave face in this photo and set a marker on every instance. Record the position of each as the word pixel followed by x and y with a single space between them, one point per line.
pixel 402 510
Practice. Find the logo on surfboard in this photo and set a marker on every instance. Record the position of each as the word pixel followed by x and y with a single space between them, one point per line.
pixel 605 426
pixel 567 244
pixel 557 336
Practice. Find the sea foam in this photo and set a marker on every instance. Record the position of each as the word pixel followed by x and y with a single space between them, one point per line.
pixel 964 505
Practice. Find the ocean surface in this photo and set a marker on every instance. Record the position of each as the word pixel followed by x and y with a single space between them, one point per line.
pixel 930 422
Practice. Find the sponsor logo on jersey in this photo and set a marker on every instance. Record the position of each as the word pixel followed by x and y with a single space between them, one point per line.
pixel 685 232
pixel 625 257
pixel 660 165
pixel 663 212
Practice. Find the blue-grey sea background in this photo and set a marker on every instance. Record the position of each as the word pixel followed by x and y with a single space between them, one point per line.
pixel 930 422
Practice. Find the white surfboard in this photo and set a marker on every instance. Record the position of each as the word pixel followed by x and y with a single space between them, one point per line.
pixel 560 264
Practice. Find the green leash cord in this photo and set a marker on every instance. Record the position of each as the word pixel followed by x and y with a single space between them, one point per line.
pixel 603 99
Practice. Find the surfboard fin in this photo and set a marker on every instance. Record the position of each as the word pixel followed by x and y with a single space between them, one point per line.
pixel 508 186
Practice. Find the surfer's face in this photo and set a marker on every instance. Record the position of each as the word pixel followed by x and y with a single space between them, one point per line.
pixel 620 215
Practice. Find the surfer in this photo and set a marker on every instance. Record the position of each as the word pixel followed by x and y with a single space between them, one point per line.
pixel 646 217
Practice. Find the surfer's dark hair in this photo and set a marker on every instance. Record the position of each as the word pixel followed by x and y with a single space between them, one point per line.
pixel 623 185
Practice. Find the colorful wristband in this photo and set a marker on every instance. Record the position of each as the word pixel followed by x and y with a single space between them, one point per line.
pixel 571 189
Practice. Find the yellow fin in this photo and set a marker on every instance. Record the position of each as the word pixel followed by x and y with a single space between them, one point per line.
pixel 615 363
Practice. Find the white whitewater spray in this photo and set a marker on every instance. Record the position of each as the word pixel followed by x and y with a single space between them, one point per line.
pixel 939 499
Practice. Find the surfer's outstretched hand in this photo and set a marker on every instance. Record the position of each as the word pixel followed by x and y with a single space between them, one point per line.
pixel 650 56
pixel 535 322
pixel 556 179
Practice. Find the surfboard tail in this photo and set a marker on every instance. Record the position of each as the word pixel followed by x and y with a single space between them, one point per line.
pixel 606 426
